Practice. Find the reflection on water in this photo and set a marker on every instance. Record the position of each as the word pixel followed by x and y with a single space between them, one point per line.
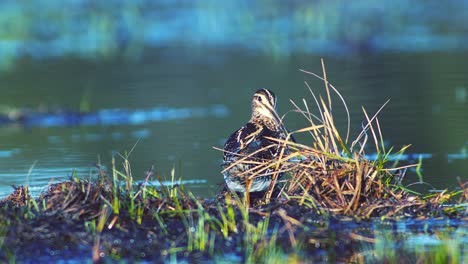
pixel 278 28
pixel 108 117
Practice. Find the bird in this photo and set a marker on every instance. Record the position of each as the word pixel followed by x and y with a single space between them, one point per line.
pixel 250 147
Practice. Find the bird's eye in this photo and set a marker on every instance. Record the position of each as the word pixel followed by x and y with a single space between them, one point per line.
pixel 259 98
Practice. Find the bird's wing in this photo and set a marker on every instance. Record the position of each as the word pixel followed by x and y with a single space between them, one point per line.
pixel 241 139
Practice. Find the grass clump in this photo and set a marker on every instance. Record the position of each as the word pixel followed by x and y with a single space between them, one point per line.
pixel 333 175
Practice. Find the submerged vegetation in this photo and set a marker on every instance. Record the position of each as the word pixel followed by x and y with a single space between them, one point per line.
pixel 336 206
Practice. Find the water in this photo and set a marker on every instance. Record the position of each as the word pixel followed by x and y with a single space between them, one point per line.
pixel 194 58
pixel 424 111
pixel 164 82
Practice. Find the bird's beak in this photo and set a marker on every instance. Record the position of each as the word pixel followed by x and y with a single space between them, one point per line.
pixel 274 114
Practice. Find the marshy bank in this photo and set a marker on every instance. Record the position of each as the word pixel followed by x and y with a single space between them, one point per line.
pixel 111 219
pixel 336 205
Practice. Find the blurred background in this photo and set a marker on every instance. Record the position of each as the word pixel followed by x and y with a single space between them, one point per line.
pixel 165 81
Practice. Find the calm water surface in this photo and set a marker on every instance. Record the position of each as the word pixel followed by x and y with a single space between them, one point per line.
pixel 428 109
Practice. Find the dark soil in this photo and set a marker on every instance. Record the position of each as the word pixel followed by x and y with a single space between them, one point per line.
pixel 62 224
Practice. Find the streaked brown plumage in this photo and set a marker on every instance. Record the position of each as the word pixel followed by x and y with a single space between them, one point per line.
pixel 250 138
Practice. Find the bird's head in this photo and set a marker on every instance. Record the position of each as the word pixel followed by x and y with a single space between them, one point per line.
pixel 264 108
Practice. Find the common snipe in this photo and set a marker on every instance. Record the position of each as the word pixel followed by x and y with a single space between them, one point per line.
pixel 248 147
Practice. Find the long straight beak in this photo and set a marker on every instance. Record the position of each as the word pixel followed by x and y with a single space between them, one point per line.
pixel 277 119
pixel 275 115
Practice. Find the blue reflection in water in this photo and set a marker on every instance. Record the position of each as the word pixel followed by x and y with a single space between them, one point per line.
pixel 8 152
pixel 108 117
pixel 279 28
pixel 407 156
pixel 40 180
pixel 463 154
